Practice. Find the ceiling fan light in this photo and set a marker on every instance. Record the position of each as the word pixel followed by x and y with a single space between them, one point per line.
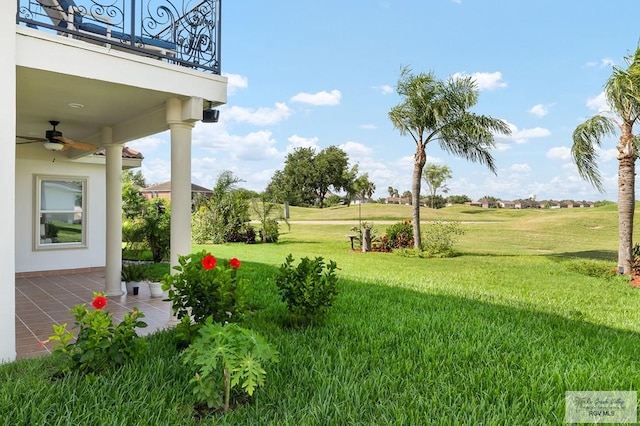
pixel 54 146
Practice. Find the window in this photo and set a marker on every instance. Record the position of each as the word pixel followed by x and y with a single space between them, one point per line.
pixel 60 212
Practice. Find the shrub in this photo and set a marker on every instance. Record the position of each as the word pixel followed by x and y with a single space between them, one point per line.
pixel 100 344
pixel 204 287
pixel 270 232
pixel 309 289
pixel 400 235
pixel 439 237
pixel 227 357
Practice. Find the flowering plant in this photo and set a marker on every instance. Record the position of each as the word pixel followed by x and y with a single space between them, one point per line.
pixel 205 286
pixel 100 343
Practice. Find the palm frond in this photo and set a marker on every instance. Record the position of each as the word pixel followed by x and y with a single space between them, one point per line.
pixel 587 137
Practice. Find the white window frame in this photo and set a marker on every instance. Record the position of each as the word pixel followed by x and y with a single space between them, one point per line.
pixel 40 243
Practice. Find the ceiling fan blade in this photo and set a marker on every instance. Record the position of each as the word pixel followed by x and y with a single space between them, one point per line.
pixel 75 144
pixel 29 139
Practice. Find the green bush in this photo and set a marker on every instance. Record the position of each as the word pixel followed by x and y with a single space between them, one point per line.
pixel 270 233
pixel 204 287
pixel 309 289
pixel 400 235
pixel 100 344
pixel 439 237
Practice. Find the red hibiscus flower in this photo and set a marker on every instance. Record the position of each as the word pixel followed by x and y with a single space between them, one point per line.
pixel 99 302
pixel 234 263
pixel 209 262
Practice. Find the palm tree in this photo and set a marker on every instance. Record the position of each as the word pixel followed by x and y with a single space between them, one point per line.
pixel 433 110
pixel 622 92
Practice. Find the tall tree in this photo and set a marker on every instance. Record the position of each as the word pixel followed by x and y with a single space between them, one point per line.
pixel 434 110
pixel 330 166
pixel 622 91
pixel 307 177
pixel 435 177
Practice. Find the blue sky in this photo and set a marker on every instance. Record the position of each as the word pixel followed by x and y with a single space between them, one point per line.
pixel 318 73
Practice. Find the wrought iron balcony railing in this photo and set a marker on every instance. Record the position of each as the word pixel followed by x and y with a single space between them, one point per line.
pixel 184 32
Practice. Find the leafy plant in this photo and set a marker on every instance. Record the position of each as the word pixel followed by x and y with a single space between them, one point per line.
pixel 229 355
pixel 439 238
pixel 400 235
pixel 100 343
pixel 204 287
pixel 132 272
pixel 308 289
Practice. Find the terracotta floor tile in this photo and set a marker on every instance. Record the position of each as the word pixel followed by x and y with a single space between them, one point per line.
pixel 43 301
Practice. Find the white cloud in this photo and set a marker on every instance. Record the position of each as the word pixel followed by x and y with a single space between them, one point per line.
pixel 319 98
pixel 562 153
pixel 603 63
pixel 521 136
pixel 484 80
pixel 520 168
pixel 156 170
pixel 253 146
pixel 608 154
pixel 357 152
pixel 235 82
pixel 385 89
pixel 539 110
pixel 296 141
pixel 147 145
pixel 599 103
pixel 260 116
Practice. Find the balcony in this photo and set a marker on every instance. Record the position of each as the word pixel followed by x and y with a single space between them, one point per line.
pixel 182 32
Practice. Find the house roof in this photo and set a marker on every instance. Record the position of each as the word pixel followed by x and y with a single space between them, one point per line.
pixel 166 187
pixel 126 153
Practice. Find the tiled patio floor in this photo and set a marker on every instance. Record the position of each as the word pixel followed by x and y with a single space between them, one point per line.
pixel 45 300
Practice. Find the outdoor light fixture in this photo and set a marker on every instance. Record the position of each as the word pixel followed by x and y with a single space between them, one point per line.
pixel 54 146
pixel 210 115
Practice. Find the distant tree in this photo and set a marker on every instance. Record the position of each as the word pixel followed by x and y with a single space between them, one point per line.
pixel 330 167
pixel 308 177
pixel 435 110
pixel 364 187
pixel 407 194
pixel 391 191
pixel 350 183
pixel 136 178
pixel 435 177
pixel 436 202
pixel 622 92
pixel 458 199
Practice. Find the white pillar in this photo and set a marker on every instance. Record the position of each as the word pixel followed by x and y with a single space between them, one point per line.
pixel 180 180
pixel 113 261
pixel 8 187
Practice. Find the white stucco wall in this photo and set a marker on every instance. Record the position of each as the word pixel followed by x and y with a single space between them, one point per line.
pixel 93 255
pixel 7 177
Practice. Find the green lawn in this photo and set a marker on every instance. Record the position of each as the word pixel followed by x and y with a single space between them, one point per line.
pixel 530 309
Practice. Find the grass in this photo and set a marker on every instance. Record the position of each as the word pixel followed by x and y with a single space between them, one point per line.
pixel 530 308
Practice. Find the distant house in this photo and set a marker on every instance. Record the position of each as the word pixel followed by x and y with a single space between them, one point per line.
pixel 398 200
pixel 163 190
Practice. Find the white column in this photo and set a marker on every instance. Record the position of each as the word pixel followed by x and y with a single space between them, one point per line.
pixel 113 261
pixel 8 187
pixel 180 180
